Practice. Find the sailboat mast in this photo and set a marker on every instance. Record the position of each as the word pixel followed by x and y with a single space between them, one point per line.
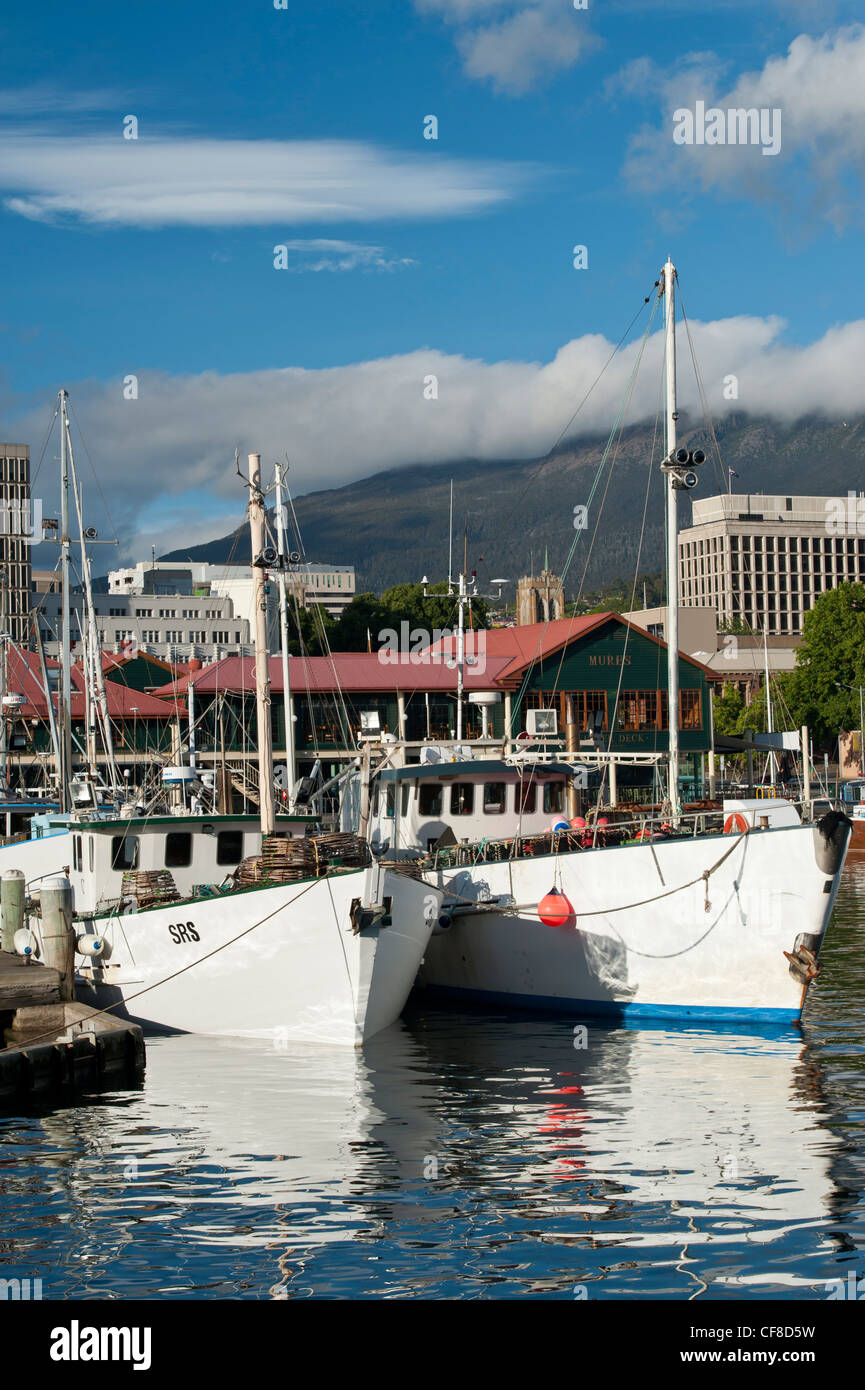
pixel 461 646
pixel 669 276
pixel 283 635
pixel 262 656
pixel 66 623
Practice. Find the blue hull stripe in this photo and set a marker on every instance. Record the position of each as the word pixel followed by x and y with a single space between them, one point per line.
pixel 610 1008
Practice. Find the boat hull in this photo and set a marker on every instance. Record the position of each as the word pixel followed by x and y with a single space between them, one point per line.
pixel 279 962
pixel 641 943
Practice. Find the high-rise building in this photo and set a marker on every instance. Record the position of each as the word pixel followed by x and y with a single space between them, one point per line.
pixel 15 540
pixel 765 560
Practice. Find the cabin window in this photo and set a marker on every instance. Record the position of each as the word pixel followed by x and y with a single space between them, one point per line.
pixel 376 798
pixel 229 847
pixel 527 796
pixel 553 797
pixel 494 798
pixel 76 851
pixel 403 799
pixel 124 852
pixel 90 851
pixel 389 800
pixel 430 799
pixel 462 798
pixel 178 849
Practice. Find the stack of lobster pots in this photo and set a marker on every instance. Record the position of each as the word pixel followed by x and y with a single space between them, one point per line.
pixel 287 859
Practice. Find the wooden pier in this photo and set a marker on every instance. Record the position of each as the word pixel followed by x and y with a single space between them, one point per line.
pixel 50 1046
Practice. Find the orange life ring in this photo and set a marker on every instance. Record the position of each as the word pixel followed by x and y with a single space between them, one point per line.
pixel 736 821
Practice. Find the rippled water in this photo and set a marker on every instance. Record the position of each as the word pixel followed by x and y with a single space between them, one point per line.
pixel 464 1155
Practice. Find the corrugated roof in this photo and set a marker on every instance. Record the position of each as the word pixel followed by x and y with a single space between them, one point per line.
pixel 24 678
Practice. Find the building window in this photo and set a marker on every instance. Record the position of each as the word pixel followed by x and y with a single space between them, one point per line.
pixel 690 710
pixel 638 710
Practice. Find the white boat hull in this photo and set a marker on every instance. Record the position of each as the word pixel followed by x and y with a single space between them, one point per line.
pixel 280 962
pixel 659 955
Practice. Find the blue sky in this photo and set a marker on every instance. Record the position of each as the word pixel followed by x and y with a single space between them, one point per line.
pixel 304 126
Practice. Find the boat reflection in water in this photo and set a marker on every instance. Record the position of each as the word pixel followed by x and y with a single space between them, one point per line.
pixel 457 1156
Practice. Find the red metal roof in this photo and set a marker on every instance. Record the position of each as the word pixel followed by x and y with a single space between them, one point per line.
pixel 502 655
pixel 343 671
pixel 24 678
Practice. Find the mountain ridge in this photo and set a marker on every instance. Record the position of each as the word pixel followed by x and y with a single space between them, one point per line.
pixel 393 525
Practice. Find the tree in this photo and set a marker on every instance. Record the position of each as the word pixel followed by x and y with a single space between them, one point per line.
pixel 404 603
pixel 728 712
pixel 830 660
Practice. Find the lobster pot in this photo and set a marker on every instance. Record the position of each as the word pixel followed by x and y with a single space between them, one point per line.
pixel 343 849
pixel 283 859
pixel 149 887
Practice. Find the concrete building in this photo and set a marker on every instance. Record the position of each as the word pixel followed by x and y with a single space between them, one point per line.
pixel 732 659
pixel 332 586
pixel 16 535
pixel 764 560
pixel 175 627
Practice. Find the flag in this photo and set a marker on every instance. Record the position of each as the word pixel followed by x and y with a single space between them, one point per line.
pixel 732 472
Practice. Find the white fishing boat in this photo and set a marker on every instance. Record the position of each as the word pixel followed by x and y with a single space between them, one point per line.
pixel 703 916
pixel 210 925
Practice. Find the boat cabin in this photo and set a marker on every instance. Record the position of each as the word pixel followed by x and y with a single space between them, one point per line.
pixel 196 851
pixel 412 808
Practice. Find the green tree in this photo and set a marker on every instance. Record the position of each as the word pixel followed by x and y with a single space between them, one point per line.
pixel 830 659
pixel 367 614
pixel 729 711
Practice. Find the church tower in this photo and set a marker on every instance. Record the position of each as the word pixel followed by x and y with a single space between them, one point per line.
pixel 541 598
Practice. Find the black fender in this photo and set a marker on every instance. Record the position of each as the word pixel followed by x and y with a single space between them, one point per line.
pixel 831 834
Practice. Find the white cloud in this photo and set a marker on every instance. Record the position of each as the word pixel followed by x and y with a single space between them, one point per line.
pixel 513 44
pixel 321 253
pixel 158 181
pixel 819 87
pixel 344 423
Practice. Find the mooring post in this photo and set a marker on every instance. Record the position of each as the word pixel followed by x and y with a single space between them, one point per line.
pixel 58 934
pixel 13 887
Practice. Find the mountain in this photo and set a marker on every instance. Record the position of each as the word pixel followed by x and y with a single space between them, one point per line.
pixel 393 526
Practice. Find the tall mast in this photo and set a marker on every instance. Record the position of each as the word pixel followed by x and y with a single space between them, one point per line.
pixel 451 539
pixel 461 644
pixel 5 637
pixel 66 625
pixel 262 667
pixel 669 275
pixel 283 635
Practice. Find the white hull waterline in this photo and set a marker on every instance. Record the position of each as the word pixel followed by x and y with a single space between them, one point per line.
pixel 640 944
pixel 283 962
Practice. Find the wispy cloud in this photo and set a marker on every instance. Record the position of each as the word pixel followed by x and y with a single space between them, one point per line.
pixel 343 423
pixel 516 44
pixel 819 89
pixel 46 98
pixel 160 181
pixel 319 253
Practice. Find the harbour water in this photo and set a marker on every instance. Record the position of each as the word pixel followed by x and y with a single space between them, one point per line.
pixel 465 1156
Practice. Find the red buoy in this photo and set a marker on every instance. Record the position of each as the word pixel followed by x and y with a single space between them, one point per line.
pixel 554 910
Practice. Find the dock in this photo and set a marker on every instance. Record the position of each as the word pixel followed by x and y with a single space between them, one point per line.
pixel 53 1047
